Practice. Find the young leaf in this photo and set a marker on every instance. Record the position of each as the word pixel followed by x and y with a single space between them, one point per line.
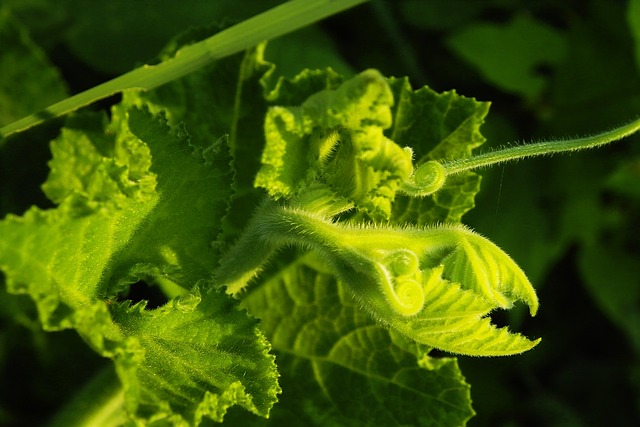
pixel 434 285
pixel 343 147
pixel 340 368
pixel 336 139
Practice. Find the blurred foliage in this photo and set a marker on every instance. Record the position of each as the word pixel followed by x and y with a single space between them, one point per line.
pixel 551 68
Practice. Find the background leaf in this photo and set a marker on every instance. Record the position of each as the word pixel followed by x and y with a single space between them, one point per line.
pixel 95 33
pixel 512 55
pixel 29 81
pixel 633 16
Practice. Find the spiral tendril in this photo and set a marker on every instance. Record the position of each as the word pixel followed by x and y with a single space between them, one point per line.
pixel 401 262
pixel 409 297
pixel 402 281
pixel 426 179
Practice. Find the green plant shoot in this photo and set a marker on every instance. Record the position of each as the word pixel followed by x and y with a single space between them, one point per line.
pixel 436 285
pixel 303 232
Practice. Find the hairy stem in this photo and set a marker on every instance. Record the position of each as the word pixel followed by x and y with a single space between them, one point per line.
pixel 270 229
pixel 273 23
pixel 248 255
pixel 351 251
pixel 431 176
pixel 540 149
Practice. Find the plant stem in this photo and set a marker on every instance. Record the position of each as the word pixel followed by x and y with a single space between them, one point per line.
pixel 540 149
pixel 273 23
pixel 271 228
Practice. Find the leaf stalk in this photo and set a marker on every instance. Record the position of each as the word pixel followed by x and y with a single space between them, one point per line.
pixel 268 25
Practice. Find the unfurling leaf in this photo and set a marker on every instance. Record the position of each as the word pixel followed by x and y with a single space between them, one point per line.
pixel 434 285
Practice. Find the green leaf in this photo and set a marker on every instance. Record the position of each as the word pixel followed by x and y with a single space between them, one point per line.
pixel 192 359
pixel 136 202
pixel 222 103
pixel 340 367
pixel 508 55
pixel 29 82
pixel 194 189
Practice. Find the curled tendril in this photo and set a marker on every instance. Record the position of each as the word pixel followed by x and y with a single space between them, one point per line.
pixel 426 179
pixel 409 297
pixel 402 281
pixel 401 262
